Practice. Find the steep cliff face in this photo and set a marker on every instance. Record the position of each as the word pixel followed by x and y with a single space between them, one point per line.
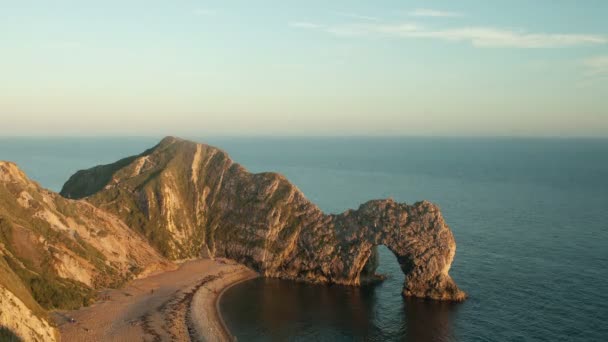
pixel 59 249
pixel 191 199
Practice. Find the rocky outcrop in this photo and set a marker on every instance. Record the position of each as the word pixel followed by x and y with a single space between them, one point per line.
pixel 416 234
pixel 191 199
pixel 60 250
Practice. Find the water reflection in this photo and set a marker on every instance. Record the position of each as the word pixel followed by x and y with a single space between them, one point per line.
pixel 429 321
pixel 279 310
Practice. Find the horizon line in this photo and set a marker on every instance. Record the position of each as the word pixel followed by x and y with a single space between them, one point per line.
pixel 312 136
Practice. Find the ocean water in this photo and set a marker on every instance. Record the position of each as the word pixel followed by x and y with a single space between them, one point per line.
pixel 530 218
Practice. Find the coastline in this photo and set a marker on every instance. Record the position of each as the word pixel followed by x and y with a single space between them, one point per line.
pixel 205 319
pixel 218 299
pixel 179 304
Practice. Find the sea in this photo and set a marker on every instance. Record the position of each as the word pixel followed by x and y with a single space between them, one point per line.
pixel 529 215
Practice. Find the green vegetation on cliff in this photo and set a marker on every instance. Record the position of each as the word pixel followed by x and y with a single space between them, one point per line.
pixel 54 252
pixel 8 336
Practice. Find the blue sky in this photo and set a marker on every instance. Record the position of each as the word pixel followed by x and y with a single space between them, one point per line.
pixel 456 68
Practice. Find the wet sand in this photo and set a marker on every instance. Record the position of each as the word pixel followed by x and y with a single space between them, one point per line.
pixel 176 305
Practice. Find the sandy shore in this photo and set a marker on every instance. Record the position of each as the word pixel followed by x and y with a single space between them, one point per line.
pixel 205 319
pixel 178 305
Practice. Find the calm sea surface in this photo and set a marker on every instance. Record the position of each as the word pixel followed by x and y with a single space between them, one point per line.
pixel 530 217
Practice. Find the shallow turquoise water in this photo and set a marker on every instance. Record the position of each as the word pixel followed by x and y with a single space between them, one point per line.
pixel 530 217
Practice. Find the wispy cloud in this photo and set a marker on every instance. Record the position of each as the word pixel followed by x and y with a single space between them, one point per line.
pixel 496 37
pixel 594 70
pixel 486 37
pixel 596 66
pixel 425 12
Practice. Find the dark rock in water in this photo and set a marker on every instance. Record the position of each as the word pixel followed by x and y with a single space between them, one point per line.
pixel 192 200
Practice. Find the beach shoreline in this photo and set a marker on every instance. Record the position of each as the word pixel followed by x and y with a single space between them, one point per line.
pixel 180 304
pixel 218 300
pixel 206 320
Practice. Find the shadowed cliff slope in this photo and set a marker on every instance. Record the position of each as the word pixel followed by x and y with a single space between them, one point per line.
pixel 192 200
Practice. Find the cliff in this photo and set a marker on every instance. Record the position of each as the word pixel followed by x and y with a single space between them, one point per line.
pixel 192 200
pixel 54 252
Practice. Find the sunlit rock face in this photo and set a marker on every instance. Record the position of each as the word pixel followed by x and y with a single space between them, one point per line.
pixel 416 234
pixel 54 252
pixel 48 235
pixel 191 200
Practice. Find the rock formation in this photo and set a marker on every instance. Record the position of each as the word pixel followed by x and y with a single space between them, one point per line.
pixel 180 200
pixel 192 200
pixel 55 251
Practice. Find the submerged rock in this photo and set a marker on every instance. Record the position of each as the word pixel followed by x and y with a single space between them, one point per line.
pixel 192 200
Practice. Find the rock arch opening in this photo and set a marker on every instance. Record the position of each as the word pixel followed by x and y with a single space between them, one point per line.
pixel 382 265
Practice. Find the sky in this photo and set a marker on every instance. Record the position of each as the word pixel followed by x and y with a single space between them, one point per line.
pixel 304 68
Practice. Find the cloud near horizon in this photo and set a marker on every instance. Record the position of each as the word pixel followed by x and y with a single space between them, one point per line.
pixel 484 37
pixel 597 66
